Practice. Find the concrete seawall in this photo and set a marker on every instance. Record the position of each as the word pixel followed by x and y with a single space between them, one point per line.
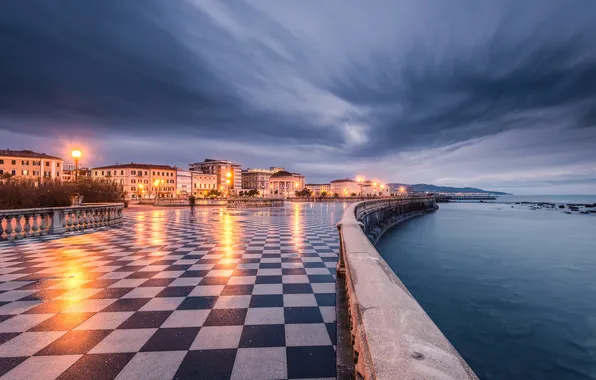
pixel 389 333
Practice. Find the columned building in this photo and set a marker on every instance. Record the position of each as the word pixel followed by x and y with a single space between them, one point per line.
pixel 26 164
pixel 229 175
pixel 344 187
pixel 258 179
pixel 284 183
pixel 319 188
pixel 140 180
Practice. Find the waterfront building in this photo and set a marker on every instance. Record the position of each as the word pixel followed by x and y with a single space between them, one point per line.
pixel 284 183
pixel 140 180
pixel 203 183
pixel 375 189
pixel 318 188
pixel 345 187
pixel 258 179
pixel 229 175
pixel 183 183
pixel 26 164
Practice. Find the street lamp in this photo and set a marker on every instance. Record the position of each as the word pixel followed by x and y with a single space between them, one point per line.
pixel 76 154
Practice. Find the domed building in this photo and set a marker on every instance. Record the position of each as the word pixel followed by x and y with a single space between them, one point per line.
pixel 284 183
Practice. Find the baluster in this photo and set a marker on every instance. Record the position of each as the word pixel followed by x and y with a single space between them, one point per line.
pixel 100 216
pixel 109 216
pixel 35 228
pixel 83 222
pixel 69 222
pixel 27 229
pixel 43 229
pixel 1 229
pixel 9 229
pixel 19 229
pixel 94 218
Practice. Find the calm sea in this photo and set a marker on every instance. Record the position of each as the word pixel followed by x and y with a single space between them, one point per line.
pixel 513 289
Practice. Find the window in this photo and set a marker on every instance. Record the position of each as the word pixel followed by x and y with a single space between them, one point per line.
pixel 102 172
pixel 133 172
pixel 47 163
pixel 14 162
pixel 57 174
pixel 96 172
pixel 35 172
pixel 57 164
pixel 121 172
pixel 132 188
pixel 13 172
pixel 145 172
pixel 115 172
pixel 2 162
pixel 1 171
pixel 25 172
pixel 153 173
pixel 133 181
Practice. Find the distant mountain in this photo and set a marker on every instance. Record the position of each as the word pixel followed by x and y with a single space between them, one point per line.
pixel 423 187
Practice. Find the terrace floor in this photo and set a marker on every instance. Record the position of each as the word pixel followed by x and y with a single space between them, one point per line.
pixel 214 294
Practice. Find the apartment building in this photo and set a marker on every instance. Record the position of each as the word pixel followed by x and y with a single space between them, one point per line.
pixel 344 187
pixel 318 188
pixel 203 183
pixel 140 180
pixel 229 175
pixel 26 164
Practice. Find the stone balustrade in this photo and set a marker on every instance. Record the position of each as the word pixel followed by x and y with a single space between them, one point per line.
pixel 255 202
pixel 390 335
pixel 18 224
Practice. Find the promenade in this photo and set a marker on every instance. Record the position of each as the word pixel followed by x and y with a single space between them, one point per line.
pixel 214 294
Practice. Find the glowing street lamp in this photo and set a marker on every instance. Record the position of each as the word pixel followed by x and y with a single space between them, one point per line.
pixel 76 154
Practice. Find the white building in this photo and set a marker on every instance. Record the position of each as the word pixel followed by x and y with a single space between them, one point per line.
pixel 258 179
pixel 284 183
pixel 184 183
pixel 203 183
pixel 345 187
pixel 318 189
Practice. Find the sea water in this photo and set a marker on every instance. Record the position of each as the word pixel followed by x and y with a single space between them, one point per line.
pixel 513 289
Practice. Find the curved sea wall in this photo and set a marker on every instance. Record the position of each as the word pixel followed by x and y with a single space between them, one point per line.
pixel 390 334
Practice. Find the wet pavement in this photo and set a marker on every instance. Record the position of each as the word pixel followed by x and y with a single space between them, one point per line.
pixel 213 294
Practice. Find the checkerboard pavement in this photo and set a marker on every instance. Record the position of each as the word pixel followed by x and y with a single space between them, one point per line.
pixel 214 294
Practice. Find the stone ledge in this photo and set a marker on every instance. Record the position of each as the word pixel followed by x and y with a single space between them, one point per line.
pixel 392 336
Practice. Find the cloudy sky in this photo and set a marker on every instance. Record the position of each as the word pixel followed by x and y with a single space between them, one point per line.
pixel 496 94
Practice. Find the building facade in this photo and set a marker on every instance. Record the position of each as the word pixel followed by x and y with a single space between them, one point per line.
pixel 258 179
pixel 318 189
pixel 69 173
pixel 284 183
pixel 229 175
pixel 140 180
pixel 203 183
pixel 183 183
pixel 344 187
pixel 26 164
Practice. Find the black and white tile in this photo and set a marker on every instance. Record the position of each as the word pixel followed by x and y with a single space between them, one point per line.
pixel 213 294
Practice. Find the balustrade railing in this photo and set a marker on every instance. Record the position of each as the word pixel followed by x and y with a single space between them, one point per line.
pixel 18 224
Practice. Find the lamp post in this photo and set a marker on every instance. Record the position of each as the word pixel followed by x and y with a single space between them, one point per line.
pixel 76 154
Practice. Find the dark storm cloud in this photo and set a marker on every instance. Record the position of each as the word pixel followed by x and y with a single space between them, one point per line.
pixel 312 85
pixel 502 87
pixel 119 64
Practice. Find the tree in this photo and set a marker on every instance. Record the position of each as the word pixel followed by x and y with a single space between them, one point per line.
pixel 214 193
pixel 336 195
pixel 303 193
pixel 353 194
pixel 241 193
pixel 252 193
pixel 323 194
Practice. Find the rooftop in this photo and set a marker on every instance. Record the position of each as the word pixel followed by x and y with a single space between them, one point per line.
pixel 26 154
pixel 343 180
pixel 134 165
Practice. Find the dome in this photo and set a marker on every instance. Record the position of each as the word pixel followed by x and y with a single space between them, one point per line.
pixel 281 173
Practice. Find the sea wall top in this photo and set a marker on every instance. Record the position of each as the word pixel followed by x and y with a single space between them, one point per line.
pixel 393 337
